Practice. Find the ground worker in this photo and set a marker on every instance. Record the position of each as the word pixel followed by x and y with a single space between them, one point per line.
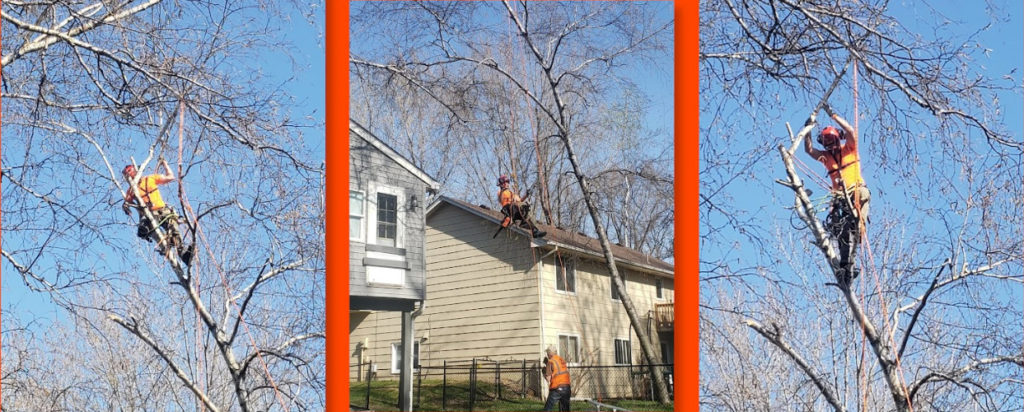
pixel 556 372
pixel 850 195
pixel 164 215
pixel 515 208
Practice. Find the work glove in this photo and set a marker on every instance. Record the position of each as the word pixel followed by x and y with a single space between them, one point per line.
pixel 828 109
pixel 126 208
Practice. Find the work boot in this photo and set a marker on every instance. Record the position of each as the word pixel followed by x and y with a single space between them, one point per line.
pixel 539 233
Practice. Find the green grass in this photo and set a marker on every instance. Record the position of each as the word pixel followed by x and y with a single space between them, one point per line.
pixel 384 397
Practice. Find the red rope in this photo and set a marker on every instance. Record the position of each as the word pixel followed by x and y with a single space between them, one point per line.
pixel 864 337
pixel 200 354
pixel 885 319
pixel 223 278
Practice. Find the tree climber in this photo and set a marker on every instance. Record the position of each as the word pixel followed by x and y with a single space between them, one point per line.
pixel 165 215
pixel 850 195
pixel 515 209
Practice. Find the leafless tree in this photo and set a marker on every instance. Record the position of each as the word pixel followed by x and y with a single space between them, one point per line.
pixel 540 91
pixel 933 321
pixel 91 86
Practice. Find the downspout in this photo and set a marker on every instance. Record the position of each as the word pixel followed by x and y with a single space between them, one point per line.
pixel 419 310
pixel 414 315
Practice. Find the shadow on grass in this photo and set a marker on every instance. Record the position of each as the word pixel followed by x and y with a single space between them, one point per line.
pixel 434 396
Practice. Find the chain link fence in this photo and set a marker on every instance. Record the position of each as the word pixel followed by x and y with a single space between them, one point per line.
pixel 478 384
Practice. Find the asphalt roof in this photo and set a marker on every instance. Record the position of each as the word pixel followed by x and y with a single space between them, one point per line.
pixel 572 240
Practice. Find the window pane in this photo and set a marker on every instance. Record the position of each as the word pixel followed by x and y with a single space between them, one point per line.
pixel 355 203
pixel 355 227
pixel 416 354
pixel 396 357
pixel 560 274
pixel 570 276
pixel 387 218
pixel 659 286
pixel 565 275
pixel 615 292
pixel 574 348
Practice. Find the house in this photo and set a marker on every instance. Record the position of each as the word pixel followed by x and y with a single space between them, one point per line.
pixel 510 296
pixel 387 202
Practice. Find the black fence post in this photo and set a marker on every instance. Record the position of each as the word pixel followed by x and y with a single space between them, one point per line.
pixel 419 388
pixel 524 380
pixel 369 378
pixel 472 385
pixel 444 386
pixel 497 378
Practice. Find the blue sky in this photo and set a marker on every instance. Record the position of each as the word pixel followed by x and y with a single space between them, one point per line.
pixel 1007 55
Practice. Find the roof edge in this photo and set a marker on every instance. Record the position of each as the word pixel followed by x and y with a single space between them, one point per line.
pixel 365 134
pixel 548 243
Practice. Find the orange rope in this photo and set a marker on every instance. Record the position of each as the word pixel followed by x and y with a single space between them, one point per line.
pixel 223 278
pixel 200 358
pixel 885 322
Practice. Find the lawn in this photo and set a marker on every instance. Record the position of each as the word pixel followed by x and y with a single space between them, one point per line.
pixel 384 397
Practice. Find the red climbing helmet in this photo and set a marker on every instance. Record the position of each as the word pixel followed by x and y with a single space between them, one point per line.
pixel 129 171
pixel 829 136
pixel 502 180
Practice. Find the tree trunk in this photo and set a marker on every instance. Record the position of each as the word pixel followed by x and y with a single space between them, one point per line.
pixel 660 389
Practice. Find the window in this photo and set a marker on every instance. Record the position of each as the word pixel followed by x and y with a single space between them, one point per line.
pixel 387 219
pixel 565 275
pixel 659 287
pixel 396 356
pixel 615 292
pixel 623 354
pixel 384 215
pixel 356 200
pixel 569 348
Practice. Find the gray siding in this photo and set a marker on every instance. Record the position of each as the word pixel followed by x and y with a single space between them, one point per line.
pixel 368 167
pixel 482 298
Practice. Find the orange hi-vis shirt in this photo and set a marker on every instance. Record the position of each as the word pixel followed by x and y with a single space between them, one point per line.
pixel 505 196
pixel 846 166
pixel 559 372
pixel 150 193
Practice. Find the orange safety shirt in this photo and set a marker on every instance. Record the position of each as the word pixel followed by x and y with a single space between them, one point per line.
pixel 505 196
pixel 846 165
pixel 558 371
pixel 149 191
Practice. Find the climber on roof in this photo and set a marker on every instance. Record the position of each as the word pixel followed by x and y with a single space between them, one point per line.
pixel 515 209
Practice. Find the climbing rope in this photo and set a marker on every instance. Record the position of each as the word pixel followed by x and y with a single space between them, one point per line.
pixel 869 264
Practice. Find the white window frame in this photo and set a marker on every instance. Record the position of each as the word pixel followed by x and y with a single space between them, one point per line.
pixel 371 213
pixel 568 262
pixel 362 217
pixel 396 356
pixel 615 351
pixel 575 359
pixel 611 286
pixel 659 288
